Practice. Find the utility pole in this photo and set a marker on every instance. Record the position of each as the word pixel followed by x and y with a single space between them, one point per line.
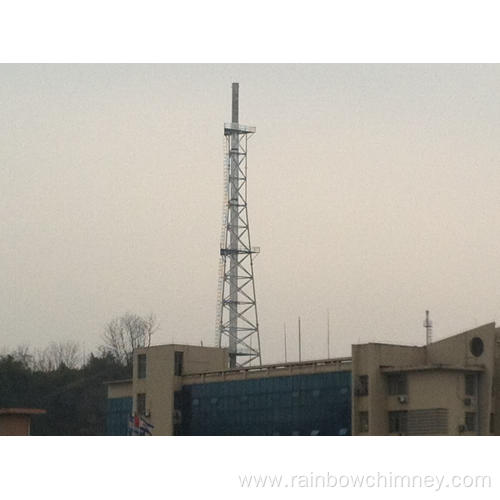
pixel 284 334
pixel 328 331
pixel 300 344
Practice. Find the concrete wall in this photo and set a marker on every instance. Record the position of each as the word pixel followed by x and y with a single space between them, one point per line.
pixel 456 350
pixel 367 359
pixel 160 382
pixel 435 380
pixel 440 389
pixel 120 389
pixel 15 425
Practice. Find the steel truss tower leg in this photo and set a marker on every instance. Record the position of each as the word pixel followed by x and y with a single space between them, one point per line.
pixel 237 320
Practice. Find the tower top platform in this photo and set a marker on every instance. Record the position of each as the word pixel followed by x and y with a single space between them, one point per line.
pixel 229 128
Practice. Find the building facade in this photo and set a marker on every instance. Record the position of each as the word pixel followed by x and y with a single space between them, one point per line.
pixel 157 376
pixel 445 388
pixel 290 399
pixel 17 421
pixel 448 387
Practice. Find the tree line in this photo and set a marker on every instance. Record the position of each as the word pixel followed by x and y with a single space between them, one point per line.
pixel 69 385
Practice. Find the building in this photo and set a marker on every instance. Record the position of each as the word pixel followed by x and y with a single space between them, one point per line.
pixel 449 387
pixel 157 376
pixel 444 388
pixel 17 421
pixel 309 398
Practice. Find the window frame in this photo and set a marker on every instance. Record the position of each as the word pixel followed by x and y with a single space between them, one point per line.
pixel 363 422
pixel 141 403
pixel 142 366
pixel 470 384
pixel 178 363
pixel 397 384
pixel 470 415
pixel 398 422
pixel 363 385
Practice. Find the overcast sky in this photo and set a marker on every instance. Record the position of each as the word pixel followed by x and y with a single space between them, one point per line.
pixel 374 191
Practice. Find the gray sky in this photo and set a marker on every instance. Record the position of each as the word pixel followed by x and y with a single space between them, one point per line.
pixel 374 191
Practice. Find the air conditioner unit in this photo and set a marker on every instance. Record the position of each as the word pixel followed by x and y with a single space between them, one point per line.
pixel 403 399
pixel 467 401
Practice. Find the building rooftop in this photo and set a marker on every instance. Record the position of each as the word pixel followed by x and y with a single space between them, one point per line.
pixel 274 370
pixel 22 411
pixel 121 381
pixel 433 367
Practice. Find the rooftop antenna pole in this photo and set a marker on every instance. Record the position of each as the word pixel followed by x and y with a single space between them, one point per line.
pixel 300 344
pixel 237 324
pixel 428 328
pixel 284 334
pixel 328 331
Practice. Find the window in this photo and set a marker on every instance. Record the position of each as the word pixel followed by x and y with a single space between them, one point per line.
pixel 141 403
pixel 476 347
pixel 178 359
pixel 141 366
pixel 397 384
pixel 398 422
pixel 470 385
pixel 492 423
pixel 363 421
pixel 362 386
pixel 470 421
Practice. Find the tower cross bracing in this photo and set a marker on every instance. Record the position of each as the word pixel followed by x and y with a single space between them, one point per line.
pixel 237 325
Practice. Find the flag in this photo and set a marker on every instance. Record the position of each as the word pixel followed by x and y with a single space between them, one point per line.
pixel 139 426
pixel 131 426
pixel 145 428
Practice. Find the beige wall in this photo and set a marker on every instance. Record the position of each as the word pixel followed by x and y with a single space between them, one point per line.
pixel 120 389
pixel 367 360
pixel 436 380
pixel 441 389
pixel 160 382
pixel 15 425
pixel 456 350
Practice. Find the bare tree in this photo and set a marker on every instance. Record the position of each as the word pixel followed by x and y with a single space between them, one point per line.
pixel 124 334
pixel 22 354
pixel 56 354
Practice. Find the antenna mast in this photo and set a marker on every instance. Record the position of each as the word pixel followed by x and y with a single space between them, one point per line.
pixel 284 335
pixel 300 343
pixel 328 331
pixel 237 321
pixel 428 328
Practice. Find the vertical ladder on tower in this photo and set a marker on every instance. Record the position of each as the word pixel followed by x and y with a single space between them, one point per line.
pixel 221 270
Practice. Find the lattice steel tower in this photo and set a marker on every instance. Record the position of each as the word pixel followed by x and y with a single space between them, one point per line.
pixel 237 325
pixel 428 328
